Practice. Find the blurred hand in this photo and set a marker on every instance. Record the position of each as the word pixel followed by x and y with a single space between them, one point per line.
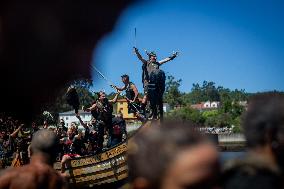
pixel 175 54
pixel 135 50
pixel 84 108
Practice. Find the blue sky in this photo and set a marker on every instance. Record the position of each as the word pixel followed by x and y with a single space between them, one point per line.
pixel 236 44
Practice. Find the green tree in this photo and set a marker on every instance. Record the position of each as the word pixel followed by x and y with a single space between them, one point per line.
pixel 203 93
pixel 172 93
pixel 210 92
pixel 186 114
pixel 196 94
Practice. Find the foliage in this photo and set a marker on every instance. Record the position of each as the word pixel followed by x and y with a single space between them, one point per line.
pixel 186 114
pixel 227 115
pixel 172 94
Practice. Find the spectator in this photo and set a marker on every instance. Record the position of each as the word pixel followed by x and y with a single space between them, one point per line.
pixel 45 125
pixel 264 131
pixel 39 173
pixel 172 156
pixel 118 129
pixel 62 124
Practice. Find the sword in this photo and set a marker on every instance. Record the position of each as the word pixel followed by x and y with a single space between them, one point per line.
pixel 104 77
pixel 135 41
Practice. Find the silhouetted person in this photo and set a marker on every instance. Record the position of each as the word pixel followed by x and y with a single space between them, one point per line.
pixel 45 46
pixel 263 125
pixel 39 173
pixel 172 156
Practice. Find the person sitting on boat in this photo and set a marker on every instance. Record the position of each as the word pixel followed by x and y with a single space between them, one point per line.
pixel 152 67
pixel 101 110
pixel 73 147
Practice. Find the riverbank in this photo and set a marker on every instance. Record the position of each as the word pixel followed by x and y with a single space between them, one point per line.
pixel 231 146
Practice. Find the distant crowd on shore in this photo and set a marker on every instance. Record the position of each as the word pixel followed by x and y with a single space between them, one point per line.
pixel 216 130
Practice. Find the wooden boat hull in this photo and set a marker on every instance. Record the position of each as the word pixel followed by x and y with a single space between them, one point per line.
pixel 107 167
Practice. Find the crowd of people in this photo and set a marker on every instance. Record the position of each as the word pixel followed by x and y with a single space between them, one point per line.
pixel 171 155
pixel 15 138
pixel 167 155
pixel 216 130
pixel 176 156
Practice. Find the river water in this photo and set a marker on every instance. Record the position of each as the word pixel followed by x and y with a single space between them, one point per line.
pixel 224 156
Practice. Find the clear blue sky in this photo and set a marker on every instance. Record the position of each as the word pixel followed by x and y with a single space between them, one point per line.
pixel 238 44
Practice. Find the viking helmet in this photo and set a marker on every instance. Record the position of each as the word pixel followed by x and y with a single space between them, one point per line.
pixel 152 53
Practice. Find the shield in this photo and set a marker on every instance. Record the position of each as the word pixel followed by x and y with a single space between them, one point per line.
pixel 72 98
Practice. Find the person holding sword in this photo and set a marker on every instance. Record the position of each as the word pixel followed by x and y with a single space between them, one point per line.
pixel 131 93
pixel 153 76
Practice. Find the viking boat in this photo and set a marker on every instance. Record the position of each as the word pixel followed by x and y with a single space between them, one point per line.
pixel 110 166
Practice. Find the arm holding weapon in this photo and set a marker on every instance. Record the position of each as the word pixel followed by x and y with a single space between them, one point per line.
pixel 81 121
pixel 119 88
pixel 173 56
pixel 114 100
pixel 93 107
pixel 139 55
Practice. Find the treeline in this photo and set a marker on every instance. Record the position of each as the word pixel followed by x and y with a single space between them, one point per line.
pixel 228 114
pixel 207 91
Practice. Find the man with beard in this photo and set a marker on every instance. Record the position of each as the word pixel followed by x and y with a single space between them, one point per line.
pixel 102 111
pixel 262 167
pixel 153 79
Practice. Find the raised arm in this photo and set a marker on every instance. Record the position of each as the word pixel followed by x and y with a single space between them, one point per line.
pixel 139 55
pixel 120 88
pixel 15 133
pixel 94 106
pixel 174 55
pixel 114 100
pixel 81 121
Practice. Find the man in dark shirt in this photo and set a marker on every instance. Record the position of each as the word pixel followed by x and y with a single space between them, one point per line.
pixel 153 80
pixel 131 94
pixel 101 110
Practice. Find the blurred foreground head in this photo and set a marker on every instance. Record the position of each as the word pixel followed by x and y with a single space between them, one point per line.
pixel 264 124
pixel 172 156
pixel 46 143
pixel 45 45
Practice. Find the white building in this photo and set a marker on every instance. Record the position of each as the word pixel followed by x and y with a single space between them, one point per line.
pixel 166 107
pixel 70 117
pixel 213 104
